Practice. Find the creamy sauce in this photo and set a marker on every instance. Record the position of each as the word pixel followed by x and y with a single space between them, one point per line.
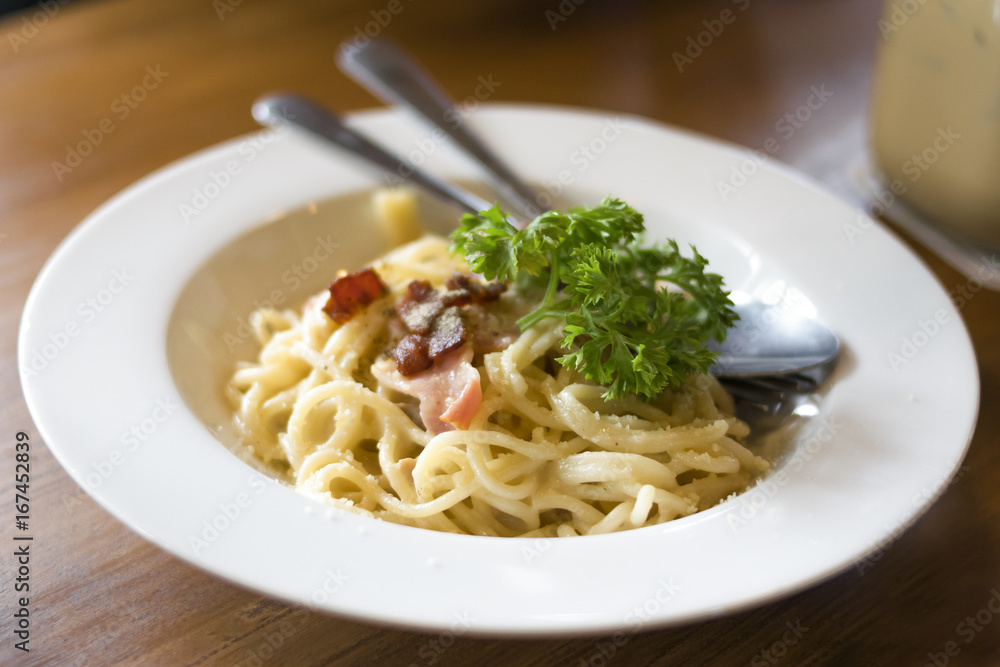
pixel 936 111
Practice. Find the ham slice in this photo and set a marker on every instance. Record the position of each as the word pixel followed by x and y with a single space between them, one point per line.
pixel 463 409
pixel 449 392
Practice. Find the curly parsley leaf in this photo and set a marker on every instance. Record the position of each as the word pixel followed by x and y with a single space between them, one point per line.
pixel 624 328
pixel 486 241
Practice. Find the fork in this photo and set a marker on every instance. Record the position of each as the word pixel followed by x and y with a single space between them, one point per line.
pixel 394 76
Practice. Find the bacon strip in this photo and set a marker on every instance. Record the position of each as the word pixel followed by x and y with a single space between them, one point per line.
pixel 477 292
pixel 420 307
pixel 448 333
pixel 350 293
pixel 437 320
pixel 433 362
pixel 411 355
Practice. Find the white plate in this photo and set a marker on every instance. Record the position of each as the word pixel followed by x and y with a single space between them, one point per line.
pixel 94 358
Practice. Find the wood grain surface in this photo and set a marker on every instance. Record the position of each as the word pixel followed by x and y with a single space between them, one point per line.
pixel 102 595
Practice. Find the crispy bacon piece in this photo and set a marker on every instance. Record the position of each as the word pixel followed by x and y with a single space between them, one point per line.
pixel 448 334
pixel 420 307
pixel 417 290
pixel 411 355
pixel 477 292
pixel 433 360
pixel 350 293
pixel 436 320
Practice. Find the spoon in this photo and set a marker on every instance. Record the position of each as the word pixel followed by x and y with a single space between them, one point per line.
pixel 276 111
pixel 757 349
pixel 770 341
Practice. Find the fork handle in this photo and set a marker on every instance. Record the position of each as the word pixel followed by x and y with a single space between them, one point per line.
pixel 279 110
pixel 395 77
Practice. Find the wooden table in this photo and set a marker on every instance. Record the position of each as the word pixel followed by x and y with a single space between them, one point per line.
pixel 103 595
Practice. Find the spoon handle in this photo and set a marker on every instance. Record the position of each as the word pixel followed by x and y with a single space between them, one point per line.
pixel 279 110
pixel 395 77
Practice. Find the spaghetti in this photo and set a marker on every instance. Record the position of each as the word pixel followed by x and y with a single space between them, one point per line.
pixel 543 453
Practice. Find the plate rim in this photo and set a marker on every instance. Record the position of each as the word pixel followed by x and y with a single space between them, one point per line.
pixel 523 627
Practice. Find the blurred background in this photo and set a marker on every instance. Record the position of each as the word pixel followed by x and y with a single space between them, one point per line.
pixel 795 72
pixel 13 5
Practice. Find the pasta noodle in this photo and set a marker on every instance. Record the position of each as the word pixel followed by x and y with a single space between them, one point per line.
pixel 543 455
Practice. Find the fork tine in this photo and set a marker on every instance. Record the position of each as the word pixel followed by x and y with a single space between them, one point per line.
pixel 761 398
pixel 794 382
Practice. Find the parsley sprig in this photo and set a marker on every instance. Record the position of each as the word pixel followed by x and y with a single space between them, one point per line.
pixel 623 328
